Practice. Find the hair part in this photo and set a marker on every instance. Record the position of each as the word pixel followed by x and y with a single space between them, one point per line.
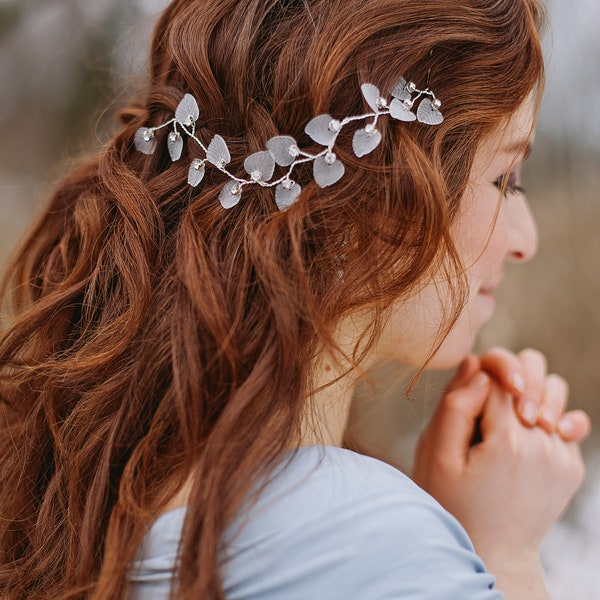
pixel 155 334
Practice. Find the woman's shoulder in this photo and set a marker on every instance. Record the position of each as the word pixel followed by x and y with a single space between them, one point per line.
pixel 329 488
pixel 331 523
pixel 324 479
pixel 348 526
pixel 339 494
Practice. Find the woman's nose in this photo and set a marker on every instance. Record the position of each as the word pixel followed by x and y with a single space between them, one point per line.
pixel 523 240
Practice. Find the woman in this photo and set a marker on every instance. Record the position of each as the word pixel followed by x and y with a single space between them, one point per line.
pixel 191 318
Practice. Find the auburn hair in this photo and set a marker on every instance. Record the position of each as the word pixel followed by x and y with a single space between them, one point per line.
pixel 153 334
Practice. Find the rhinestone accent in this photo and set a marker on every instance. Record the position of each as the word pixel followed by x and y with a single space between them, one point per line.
pixel 335 126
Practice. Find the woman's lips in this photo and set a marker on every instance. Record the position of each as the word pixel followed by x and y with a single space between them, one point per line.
pixel 486 295
pixel 490 286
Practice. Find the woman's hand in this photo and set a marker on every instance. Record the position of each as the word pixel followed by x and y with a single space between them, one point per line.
pixel 509 487
pixel 539 398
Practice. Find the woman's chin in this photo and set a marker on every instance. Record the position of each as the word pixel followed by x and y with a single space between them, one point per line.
pixel 455 348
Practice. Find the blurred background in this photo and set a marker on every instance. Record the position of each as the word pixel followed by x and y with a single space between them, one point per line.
pixel 67 65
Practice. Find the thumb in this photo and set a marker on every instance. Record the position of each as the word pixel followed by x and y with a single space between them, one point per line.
pixel 455 420
pixel 499 414
pixel 468 367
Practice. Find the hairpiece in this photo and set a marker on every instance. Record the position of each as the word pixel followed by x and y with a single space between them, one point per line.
pixel 283 150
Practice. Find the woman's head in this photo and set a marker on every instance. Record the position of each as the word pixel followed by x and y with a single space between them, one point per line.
pixel 261 69
pixel 159 332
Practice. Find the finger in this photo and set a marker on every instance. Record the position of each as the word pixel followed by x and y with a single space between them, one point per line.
pixel 498 414
pixel 455 420
pixel 468 367
pixel 528 405
pixel 554 402
pixel 506 368
pixel 574 426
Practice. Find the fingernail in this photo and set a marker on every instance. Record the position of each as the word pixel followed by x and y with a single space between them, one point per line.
pixel 529 413
pixel 565 428
pixel 549 417
pixel 480 380
pixel 518 382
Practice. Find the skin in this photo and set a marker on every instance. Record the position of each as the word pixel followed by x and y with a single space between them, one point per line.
pixel 529 445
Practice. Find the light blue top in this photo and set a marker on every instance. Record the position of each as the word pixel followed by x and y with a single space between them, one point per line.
pixel 331 525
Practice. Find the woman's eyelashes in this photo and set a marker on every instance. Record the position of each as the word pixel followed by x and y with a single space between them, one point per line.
pixel 509 184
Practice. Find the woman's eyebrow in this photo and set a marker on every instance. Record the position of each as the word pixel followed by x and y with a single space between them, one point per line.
pixel 522 147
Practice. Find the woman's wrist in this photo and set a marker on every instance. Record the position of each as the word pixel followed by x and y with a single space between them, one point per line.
pixel 519 574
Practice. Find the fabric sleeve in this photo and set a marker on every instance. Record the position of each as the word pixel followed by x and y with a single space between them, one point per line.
pixel 381 547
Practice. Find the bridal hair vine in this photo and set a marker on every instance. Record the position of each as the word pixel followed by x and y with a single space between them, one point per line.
pixel 283 150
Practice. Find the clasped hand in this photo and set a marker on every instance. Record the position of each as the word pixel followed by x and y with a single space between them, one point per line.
pixel 502 455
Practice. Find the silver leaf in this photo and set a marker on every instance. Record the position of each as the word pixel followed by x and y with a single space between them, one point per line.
pixel 230 195
pixel 428 114
pixel 283 149
pixel 326 174
pixel 400 112
pixel 318 129
pixel 372 95
pixel 196 172
pixel 364 142
pixel 260 166
pixel 187 112
pixel 401 90
pixel 142 143
pixel 286 196
pixel 217 152
pixel 175 144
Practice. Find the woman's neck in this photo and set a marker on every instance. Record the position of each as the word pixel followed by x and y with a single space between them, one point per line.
pixel 333 380
pixel 327 409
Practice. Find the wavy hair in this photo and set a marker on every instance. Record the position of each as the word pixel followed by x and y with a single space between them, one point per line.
pixel 153 334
